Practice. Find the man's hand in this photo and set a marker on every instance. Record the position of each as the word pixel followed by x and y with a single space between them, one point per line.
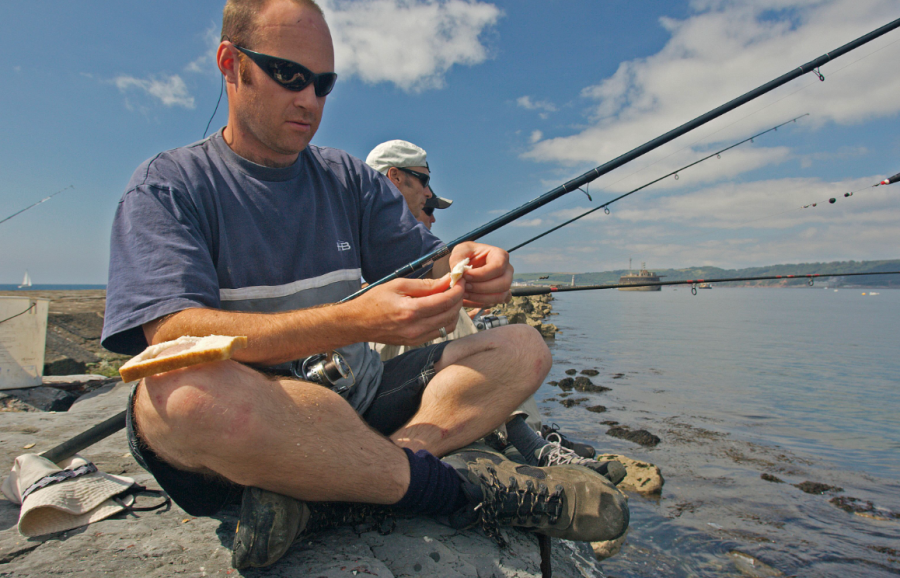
pixel 491 275
pixel 408 311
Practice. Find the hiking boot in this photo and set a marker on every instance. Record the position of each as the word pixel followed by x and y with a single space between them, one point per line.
pixel 270 523
pixel 568 501
pixel 361 517
pixel 267 527
pixel 553 454
pixel 551 434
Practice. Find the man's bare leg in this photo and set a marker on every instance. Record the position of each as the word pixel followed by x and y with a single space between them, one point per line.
pixel 304 441
pixel 286 436
pixel 480 380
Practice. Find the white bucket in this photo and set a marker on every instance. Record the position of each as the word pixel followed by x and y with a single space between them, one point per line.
pixel 23 334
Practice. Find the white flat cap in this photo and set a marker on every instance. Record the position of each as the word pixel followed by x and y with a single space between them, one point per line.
pixel 396 153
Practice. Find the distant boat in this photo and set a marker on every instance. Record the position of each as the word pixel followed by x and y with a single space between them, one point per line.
pixel 643 276
pixel 704 286
pixel 26 282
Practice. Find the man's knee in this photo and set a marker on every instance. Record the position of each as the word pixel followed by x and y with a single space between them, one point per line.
pixel 178 411
pixel 527 344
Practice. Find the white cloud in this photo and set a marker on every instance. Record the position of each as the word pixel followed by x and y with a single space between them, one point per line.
pixel 411 43
pixel 528 223
pixel 169 90
pixel 772 204
pixel 536 136
pixel 731 225
pixel 206 62
pixel 723 50
pixel 528 104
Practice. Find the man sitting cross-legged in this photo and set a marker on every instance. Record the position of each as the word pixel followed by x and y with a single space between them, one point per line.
pixel 256 232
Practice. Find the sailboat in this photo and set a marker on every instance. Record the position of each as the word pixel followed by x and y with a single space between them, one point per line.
pixel 26 282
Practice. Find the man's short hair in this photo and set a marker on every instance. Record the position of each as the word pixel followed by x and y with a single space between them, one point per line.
pixel 239 19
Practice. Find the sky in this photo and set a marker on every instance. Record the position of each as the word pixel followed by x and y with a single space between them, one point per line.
pixel 510 99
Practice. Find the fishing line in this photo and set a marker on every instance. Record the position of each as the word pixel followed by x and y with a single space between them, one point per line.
pixel 830 201
pixel 804 87
pixel 593 174
pixel 810 277
pixel 706 137
pixel 45 199
pixel 674 173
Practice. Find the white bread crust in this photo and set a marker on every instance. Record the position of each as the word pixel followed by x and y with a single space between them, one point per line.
pixel 178 353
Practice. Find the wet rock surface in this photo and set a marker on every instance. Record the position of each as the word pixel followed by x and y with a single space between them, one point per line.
pixel 590 372
pixel 643 477
pixel 586 385
pixel 596 408
pixel 771 478
pixel 573 401
pixel 817 488
pixel 863 508
pixel 640 436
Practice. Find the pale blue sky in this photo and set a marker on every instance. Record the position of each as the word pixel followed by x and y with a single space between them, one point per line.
pixel 509 98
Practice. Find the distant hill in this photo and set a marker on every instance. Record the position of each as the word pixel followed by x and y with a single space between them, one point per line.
pixel 609 277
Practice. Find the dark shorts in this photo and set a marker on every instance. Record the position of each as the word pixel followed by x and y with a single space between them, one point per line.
pixel 397 400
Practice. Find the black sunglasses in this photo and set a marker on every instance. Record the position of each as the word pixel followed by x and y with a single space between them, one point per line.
pixel 428 211
pixel 423 178
pixel 291 75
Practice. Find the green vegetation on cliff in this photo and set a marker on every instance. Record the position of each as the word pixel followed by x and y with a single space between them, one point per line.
pixel 825 269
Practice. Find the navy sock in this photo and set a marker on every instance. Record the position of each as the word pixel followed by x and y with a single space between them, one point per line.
pixel 434 486
pixel 526 440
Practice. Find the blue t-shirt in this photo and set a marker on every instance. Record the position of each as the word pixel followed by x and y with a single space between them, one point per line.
pixel 200 226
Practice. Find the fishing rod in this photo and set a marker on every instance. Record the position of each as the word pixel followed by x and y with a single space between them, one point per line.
pixel 578 182
pixel 675 173
pixel 833 200
pixel 44 200
pixel 522 291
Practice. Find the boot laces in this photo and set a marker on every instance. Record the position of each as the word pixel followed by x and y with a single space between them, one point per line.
pixel 329 515
pixel 554 454
pixel 511 504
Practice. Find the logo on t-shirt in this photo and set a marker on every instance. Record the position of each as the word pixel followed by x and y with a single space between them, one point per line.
pixel 343 246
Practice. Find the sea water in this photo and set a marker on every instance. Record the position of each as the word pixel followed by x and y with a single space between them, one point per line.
pixel 801 384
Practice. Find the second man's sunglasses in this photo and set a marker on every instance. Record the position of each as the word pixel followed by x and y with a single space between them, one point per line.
pixel 291 75
pixel 423 178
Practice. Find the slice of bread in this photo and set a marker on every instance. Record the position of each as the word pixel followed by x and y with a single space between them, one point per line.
pixel 458 271
pixel 182 352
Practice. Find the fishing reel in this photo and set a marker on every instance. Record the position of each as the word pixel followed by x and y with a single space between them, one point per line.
pixel 328 369
pixel 490 321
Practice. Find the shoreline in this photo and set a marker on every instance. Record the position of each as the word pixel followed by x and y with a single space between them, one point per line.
pixel 738 498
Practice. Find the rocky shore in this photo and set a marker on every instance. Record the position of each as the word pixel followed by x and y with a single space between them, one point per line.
pixel 532 310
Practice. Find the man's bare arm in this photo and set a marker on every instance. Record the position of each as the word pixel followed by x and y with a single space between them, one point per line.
pixel 404 312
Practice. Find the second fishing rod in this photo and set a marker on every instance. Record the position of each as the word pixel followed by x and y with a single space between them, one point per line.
pixel 653 182
pixel 633 154
pixel 810 277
